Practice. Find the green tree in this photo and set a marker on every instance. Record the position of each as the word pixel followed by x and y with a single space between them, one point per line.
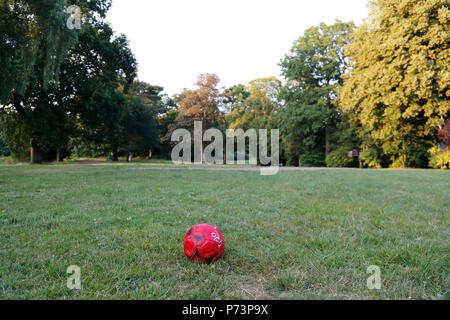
pixel 165 113
pixel 398 86
pixel 140 132
pixel 35 41
pixel 33 32
pixel 343 141
pixel 15 137
pixel 313 70
pixel 100 71
pixel 254 106
pixel 165 121
pixel 233 100
pixel 145 107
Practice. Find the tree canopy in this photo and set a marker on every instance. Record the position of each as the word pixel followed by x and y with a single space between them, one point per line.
pixel 374 96
pixel 63 83
pixel 398 86
pixel 313 70
pixel 253 106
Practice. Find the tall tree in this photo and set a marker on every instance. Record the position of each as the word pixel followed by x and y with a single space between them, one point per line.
pixel 144 106
pixel 313 70
pixel 151 95
pixel 34 42
pixel 253 106
pixel 233 99
pixel 200 104
pixel 100 71
pixel 140 131
pixel 398 86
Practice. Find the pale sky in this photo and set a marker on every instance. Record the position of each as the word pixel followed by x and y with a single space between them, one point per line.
pixel 239 40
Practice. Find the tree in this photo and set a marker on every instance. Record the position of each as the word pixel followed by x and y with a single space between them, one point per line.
pixel 313 70
pixel 34 43
pixel 140 132
pixel 165 121
pixel 99 73
pixel 33 32
pixel 164 112
pixel 398 86
pixel 344 139
pixel 233 99
pixel 150 94
pixel 254 106
pixel 144 106
pixel 200 104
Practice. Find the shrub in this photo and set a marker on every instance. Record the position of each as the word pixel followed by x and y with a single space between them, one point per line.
pixel 311 159
pixel 440 159
pixel 4 151
pixel 339 159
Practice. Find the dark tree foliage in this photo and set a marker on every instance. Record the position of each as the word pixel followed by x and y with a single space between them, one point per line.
pixel 69 87
pixel 99 72
pixel 313 70
pixel 4 151
pixel 34 43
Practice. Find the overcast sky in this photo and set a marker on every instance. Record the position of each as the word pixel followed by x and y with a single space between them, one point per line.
pixel 239 40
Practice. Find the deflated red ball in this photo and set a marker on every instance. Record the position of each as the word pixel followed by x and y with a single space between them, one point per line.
pixel 204 243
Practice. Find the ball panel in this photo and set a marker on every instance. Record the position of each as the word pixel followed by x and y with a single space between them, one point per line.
pixel 208 249
pixel 189 245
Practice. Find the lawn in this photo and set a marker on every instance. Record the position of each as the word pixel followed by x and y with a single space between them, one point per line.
pixel 296 235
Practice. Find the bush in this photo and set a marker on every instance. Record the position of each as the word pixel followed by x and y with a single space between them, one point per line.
pixel 373 157
pixel 440 159
pixel 4 151
pixel 311 159
pixel 7 160
pixel 397 163
pixel 339 159
pixel 418 156
pixel 15 137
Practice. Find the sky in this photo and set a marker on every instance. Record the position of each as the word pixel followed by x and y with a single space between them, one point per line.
pixel 239 40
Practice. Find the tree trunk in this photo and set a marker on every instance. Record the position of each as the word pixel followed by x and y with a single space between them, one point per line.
pixel 35 153
pixel 203 154
pixel 115 156
pixel 17 101
pixel 59 154
pixel 130 157
pixel 327 141
pixel 404 156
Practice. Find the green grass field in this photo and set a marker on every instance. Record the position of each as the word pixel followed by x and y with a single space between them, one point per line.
pixel 296 235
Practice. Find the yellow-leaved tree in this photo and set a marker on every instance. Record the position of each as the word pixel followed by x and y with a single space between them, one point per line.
pixel 398 86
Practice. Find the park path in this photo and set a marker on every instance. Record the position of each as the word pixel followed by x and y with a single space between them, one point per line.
pixel 227 168
pixel 145 166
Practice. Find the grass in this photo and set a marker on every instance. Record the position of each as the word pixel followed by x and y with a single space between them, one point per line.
pixel 296 235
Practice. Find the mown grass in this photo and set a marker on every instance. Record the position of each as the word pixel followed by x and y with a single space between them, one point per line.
pixel 296 235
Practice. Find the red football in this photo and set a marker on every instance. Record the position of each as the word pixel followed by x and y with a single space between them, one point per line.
pixel 204 243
